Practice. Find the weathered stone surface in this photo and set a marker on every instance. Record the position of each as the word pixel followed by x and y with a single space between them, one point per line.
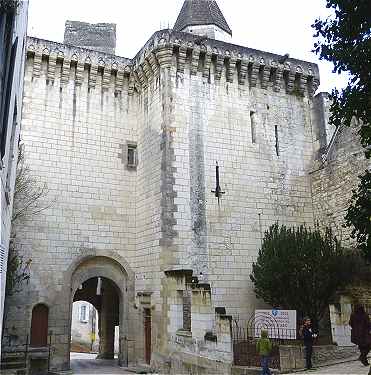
pixel 185 105
pixel 98 37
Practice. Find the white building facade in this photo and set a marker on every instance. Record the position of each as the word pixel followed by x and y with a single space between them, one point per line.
pixel 13 29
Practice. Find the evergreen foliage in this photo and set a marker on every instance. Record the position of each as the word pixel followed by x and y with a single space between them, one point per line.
pixel 345 40
pixel 359 215
pixel 301 269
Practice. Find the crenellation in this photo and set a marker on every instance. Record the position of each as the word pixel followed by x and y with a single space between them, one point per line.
pixel 164 47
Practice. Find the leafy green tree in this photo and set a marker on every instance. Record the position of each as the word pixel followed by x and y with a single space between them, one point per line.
pixel 7 6
pixel 359 215
pixel 345 40
pixel 301 269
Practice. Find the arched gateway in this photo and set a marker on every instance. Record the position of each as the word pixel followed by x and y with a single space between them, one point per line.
pixel 103 282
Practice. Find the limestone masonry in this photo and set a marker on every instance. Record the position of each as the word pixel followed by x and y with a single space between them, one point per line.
pixel 128 149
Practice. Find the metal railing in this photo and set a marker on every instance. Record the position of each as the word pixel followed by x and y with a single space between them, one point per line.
pixel 245 335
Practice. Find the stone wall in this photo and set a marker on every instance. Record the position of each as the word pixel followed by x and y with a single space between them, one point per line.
pixel 335 178
pixel 184 106
pixel 265 180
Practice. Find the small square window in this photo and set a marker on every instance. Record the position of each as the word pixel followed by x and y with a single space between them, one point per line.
pixel 132 156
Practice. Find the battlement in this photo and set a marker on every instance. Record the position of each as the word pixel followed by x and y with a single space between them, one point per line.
pixel 211 59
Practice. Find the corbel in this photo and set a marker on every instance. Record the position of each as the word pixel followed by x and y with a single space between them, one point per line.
pixel 303 79
pixel 119 80
pixel 142 79
pixel 254 74
pixel 147 70
pixel 182 56
pixel 243 72
pixel 277 83
pixel 194 61
pixel 51 66
pixel 66 67
pixel 131 84
pixel 79 73
pixel 93 76
pixel 153 63
pixel 165 57
pixel 207 64
pixel 106 78
pixel 265 76
pixel 291 81
pixel 37 64
pixel 219 67
pixel 231 68
pixel 313 86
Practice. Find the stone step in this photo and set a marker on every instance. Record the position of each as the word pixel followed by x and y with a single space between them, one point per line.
pixel 13 365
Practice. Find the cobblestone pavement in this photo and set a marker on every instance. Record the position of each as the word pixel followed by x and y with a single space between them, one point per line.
pixel 86 364
pixel 347 368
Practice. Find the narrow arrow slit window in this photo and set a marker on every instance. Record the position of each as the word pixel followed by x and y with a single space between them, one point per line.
pixel 277 141
pixel 253 126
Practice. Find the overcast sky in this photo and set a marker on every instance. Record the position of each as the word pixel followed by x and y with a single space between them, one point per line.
pixel 278 26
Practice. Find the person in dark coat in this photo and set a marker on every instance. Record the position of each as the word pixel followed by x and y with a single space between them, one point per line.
pixel 361 326
pixel 308 336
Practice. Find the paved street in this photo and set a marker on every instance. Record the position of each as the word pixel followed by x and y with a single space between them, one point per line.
pixel 348 368
pixel 87 364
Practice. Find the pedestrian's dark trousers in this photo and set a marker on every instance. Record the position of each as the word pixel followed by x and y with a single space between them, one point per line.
pixel 265 365
pixel 308 355
pixel 364 349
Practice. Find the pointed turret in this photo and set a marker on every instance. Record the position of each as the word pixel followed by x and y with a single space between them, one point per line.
pixel 203 17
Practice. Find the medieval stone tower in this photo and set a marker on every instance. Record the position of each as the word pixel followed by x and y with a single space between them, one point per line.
pixel 128 150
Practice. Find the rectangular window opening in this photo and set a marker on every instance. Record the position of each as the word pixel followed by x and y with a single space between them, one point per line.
pixel 132 156
pixel 83 314
pixel 277 142
pixel 253 126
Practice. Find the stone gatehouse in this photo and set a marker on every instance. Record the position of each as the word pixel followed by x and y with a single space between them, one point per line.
pixel 128 150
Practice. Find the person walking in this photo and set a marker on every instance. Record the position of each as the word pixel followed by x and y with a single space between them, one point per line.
pixel 264 348
pixel 308 336
pixel 360 335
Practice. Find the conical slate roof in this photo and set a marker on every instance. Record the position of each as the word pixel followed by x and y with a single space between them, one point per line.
pixel 201 12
